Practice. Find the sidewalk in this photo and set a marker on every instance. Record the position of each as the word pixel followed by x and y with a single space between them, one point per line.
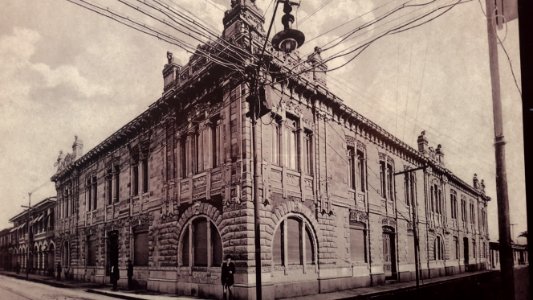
pixel 95 288
pixel 366 292
pixel 363 292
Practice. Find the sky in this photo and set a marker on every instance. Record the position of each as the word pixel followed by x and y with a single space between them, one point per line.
pixel 67 71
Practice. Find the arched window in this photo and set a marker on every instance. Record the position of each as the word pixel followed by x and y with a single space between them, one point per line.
pixel 293 243
pixel 200 245
pixel 438 252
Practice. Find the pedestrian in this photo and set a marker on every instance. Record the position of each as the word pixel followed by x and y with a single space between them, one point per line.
pixel 115 275
pixel 130 274
pixel 58 269
pixel 228 269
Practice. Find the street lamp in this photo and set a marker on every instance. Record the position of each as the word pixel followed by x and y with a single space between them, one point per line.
pixel 288 39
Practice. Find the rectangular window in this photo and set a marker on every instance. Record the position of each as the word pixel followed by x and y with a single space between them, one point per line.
pixel 357 244
pixel 382 175
pixel 277 251
pixel 140 249
pixel 410 248
pixel 196 152
pixel 95 193
pixel 473 249
pixel 200 242
pixel 145 174
pixel 361 170
pixel 171 155
pixel 351 167
pixel 463 210
pixel 135 180
pixel 215 143
pixel 294 245
pixel 407 180
pixel 183 157
pixel 185 248
pixel 276 145
pixel 292 144
pixel 117 183
pixel 308 153
pixel 109 186
pixel 390 181
pixel 456 246
pixel 88 195
pixel 91 251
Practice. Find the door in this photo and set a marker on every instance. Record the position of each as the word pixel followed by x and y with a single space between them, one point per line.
pixel 112 250
pixel 466 250
pixel 389 255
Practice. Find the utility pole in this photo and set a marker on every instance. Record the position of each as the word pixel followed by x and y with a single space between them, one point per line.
pixel 29 241
pixel 286 40
pixel 506 255
pixel 414 211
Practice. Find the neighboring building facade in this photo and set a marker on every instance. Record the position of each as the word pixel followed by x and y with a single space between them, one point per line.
pixel 5 251
pixel 40 245
pixel 520 255
pixel 172 189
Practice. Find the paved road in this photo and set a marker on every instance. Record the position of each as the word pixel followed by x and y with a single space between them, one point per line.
pixel 16 289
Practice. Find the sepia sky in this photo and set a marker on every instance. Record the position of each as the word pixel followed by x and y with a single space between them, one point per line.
pixel 66 71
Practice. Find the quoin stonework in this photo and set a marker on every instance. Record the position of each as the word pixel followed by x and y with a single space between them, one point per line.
pixel 172 190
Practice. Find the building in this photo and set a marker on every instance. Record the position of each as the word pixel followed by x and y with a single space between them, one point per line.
pixel 33 250
pixel 341 199
pixel 520 254
pixel 5 254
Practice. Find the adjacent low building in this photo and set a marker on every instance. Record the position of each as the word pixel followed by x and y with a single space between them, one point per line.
pixel 343 203
pixel 33 250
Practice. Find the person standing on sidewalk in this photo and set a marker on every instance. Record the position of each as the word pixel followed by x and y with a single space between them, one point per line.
pixel 228 269
pixel 58 269
pixel 130 274
pixel 114 276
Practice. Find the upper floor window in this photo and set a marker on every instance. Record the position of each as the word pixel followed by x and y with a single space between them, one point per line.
pixel 410 188
pixel 170 152
pixel 135 178
pixel 463 210
pixel 472 213
pixel 276 143
pixel 183 157
pixel 146 171
pixel 116 173
pixel 386 175
pixel 292 144
pixel 196 153
pixel 308 152
pixel 453 204
pixel 91 193
pixel 293 243
pixel 109 185
pixel 351 167
pixel 361 170
pixel 215 142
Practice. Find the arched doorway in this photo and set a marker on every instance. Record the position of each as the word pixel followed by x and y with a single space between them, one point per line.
pixel 389 253
pixel 50 260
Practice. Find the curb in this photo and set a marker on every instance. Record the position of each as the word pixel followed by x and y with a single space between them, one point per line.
pixel 114 295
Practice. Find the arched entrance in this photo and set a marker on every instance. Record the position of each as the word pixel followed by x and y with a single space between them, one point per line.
pixel 389 253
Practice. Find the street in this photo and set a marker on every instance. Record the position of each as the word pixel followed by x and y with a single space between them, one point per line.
pixel 16 289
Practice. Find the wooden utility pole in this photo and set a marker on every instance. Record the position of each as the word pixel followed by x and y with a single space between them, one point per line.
pixel 506 255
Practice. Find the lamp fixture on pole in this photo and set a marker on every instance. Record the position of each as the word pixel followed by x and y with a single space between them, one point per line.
pixel 288 39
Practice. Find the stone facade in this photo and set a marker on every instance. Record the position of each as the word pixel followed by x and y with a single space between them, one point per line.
pixel 173 189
